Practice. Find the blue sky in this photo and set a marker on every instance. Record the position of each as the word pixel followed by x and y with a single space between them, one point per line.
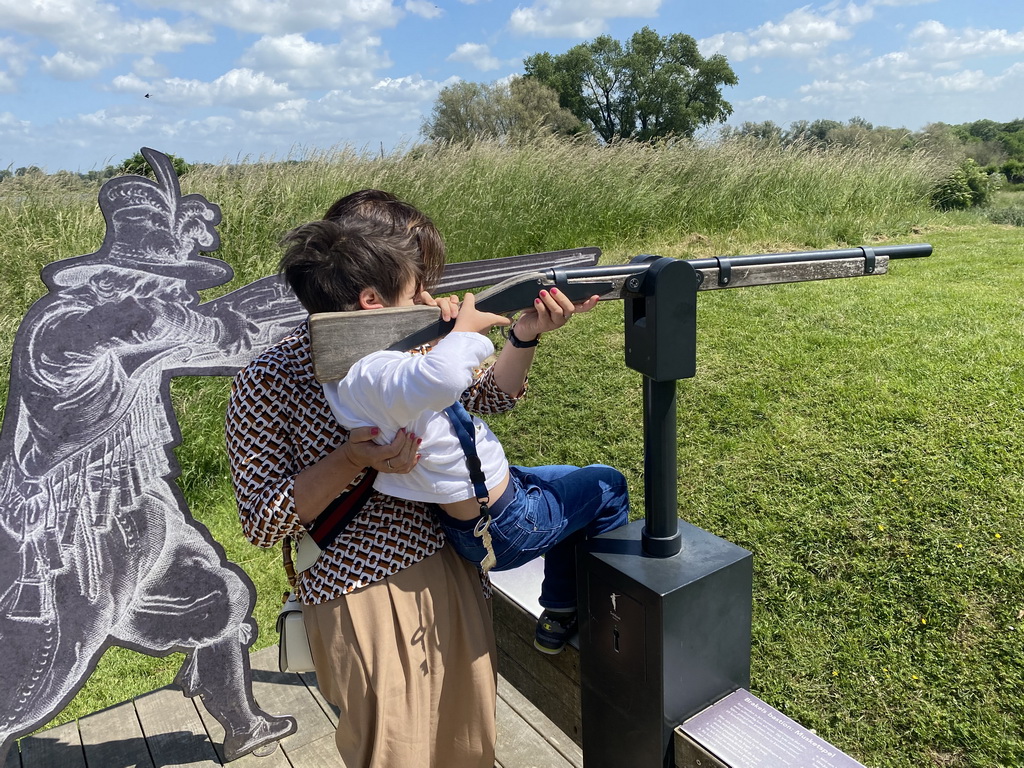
pixel 231 80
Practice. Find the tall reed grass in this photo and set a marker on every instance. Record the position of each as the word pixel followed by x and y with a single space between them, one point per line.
pixel 494 200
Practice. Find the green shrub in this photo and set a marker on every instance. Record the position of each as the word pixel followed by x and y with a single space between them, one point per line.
pixel 968 186
pixel 1013 170
pixel 138 165
pixel 1011 214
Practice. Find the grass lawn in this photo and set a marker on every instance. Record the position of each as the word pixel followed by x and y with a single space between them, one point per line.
pixel 861 437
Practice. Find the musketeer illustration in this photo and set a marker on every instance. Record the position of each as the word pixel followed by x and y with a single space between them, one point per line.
pixel 97 545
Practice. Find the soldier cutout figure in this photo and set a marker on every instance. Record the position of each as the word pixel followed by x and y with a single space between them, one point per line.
pixel 97 545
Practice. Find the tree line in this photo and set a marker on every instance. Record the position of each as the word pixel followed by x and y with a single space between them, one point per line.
pixel 994 147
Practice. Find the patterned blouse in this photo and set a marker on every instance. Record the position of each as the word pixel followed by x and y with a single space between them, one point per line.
pixel 278 423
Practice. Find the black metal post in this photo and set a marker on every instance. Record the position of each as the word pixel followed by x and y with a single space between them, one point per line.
pixel 661 533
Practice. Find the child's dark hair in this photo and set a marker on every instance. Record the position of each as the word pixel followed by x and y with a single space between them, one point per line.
pixel 329 263
pixel 386 208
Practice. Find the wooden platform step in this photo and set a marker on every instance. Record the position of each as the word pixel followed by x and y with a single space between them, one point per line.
pixel 165 728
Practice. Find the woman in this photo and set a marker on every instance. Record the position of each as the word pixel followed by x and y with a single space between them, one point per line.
pixel 399 624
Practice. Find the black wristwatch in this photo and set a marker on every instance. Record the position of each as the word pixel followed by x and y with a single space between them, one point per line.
pixel 515 341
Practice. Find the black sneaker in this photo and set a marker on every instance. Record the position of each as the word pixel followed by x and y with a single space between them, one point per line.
pixel 554 630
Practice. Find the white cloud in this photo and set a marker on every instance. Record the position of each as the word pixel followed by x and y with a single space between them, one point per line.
pixel 13 64
pixel 285 116
pixel 895 78
pixel 477 54
pixel 851 13
pixel 800 34
pixel 11 51
pixel 424 8
pixel 72 66
pixel 390 97
pixel 7 120
pixel 305 64
pixel 90 36
pixel 277 17
pixel 147 66
pixel 242 88
pixel 110 120
pixel 86 27
pixel 129 84
pixel 405 87
pixel 938 42
pixel 933 65
pixel 576 18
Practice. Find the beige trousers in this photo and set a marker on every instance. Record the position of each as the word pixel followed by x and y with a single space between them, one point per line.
pixel 410 662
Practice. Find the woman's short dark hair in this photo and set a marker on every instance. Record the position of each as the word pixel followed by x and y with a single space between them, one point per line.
pixel 386 208
pixel 329 263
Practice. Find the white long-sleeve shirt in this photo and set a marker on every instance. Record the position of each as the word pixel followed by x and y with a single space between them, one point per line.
pixel 392 390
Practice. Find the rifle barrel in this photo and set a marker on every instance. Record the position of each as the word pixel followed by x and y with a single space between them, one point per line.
pixel 912 251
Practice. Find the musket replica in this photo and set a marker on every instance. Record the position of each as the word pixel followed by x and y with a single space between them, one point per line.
pixel 339 339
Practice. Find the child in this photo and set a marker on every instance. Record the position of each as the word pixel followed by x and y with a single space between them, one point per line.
pixel 506 515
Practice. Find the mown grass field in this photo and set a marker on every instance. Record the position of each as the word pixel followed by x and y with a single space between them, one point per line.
pixel 861 437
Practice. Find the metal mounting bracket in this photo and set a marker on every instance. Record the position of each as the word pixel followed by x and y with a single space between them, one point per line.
pixel 869 260
pixel 724 271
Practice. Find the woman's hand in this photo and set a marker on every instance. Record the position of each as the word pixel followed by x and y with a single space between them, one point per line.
pixel 551 310
pixel 321 482
pixel 397 457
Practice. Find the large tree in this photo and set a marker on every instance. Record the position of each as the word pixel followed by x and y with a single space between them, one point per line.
pixel 652 86
pixel 518 109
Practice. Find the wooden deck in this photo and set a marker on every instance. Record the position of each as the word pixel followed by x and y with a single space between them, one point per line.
pixel 164 728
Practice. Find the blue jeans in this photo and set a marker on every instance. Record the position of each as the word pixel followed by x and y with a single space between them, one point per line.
pixel 549 511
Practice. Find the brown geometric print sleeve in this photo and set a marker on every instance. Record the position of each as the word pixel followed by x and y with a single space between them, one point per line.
pixel 261 455
pixel 485 397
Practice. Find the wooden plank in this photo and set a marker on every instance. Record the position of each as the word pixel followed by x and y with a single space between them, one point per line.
pixel 519 744
pixel 60 746
pixel 174 730
pixel 318 753
pixel 335 345
pixel 264 666
pixel 516 609
pixel 338 339
pixel 541 724
pixel 551 683
pixel 330 711
pixel 113 738
pixel 562 710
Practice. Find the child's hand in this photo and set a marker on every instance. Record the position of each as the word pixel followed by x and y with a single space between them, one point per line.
pixel 551 310
pixel 449 305
pixel 472 320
